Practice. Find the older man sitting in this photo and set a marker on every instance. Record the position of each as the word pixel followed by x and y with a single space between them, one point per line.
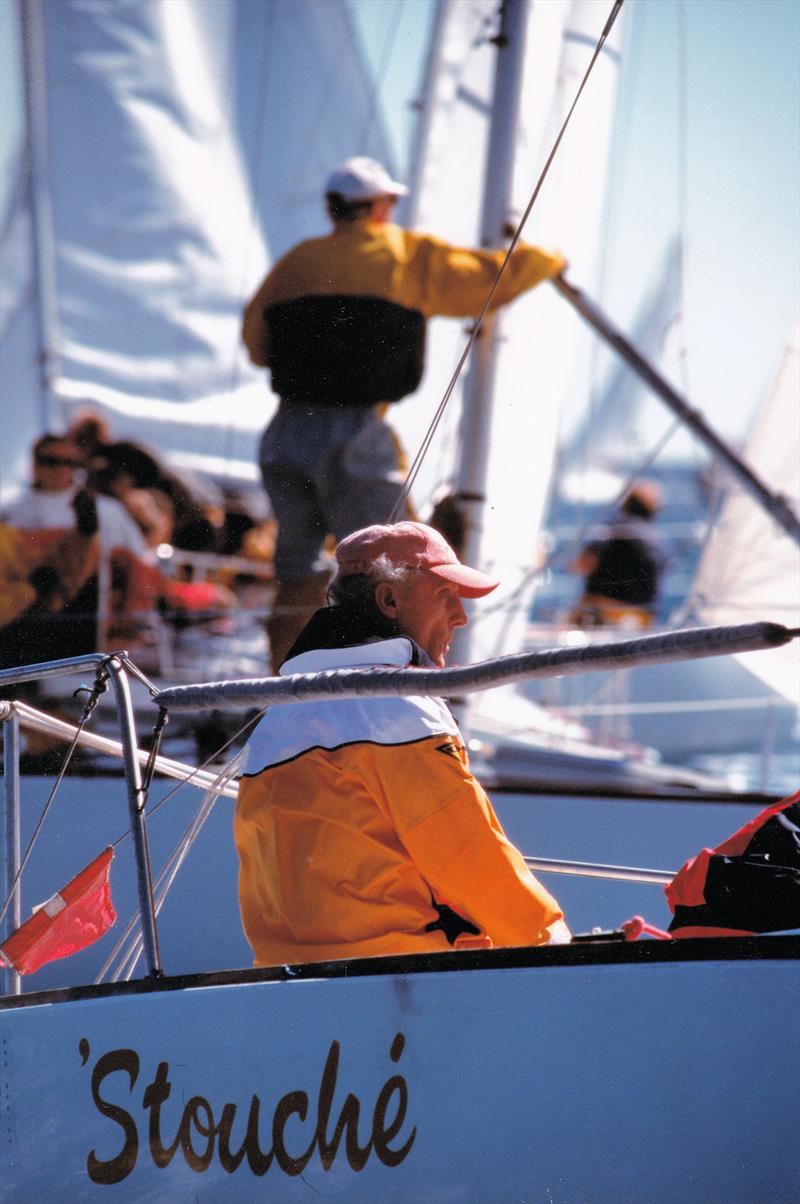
pixel 360 828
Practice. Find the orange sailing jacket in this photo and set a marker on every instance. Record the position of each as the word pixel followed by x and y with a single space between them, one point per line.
pixel 355 814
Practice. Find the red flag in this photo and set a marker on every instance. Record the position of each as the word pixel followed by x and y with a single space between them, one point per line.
pixel 72 919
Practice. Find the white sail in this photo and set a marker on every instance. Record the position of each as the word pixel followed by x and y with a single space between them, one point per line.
pixel 751 567
pixel 183 146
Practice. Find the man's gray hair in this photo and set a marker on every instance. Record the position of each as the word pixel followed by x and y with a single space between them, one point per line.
pixel 356 591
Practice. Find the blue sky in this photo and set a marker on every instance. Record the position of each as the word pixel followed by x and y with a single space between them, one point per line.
pixel 732 67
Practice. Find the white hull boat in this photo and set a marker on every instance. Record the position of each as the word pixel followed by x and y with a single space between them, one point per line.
pixel 602 1070
pixel 597 1072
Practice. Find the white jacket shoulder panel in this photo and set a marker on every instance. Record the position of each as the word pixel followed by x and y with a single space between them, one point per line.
pixel 289 730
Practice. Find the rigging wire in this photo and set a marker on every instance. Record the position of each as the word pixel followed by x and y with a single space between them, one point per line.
pixel 185 781
pixel 429 435
pixel 224 776
pixel 166 878
pixel 163 883
pixel 679 320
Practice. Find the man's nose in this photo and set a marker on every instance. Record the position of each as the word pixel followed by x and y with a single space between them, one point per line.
pixel 458 615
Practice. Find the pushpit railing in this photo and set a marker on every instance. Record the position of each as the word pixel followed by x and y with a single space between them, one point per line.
pixel 112 668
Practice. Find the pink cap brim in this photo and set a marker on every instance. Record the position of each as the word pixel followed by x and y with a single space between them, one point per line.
pixel 471 582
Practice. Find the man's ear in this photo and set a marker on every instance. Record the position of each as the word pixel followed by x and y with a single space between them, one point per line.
pixel 385 599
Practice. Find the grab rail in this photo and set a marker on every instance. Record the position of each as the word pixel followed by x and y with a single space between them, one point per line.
pixel 689 644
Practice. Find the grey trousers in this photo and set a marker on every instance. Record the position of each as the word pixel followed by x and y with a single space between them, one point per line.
pixel 327 471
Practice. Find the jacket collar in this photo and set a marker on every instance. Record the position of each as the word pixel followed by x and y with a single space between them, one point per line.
pixel 395 653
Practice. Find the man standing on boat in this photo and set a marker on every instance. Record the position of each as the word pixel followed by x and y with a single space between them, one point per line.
pixel 340 323
pixel 360 829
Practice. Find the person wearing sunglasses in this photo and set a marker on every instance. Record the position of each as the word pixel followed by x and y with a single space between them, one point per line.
pixel 45 511
pixel 46 505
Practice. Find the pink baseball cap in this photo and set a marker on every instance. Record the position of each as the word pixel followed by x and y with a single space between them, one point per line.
pixel 414 546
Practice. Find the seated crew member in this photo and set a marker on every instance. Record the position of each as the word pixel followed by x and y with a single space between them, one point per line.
pixel 622 568
pixel 340 322
pixel 359 826
pixel 164 501
pixel 44 511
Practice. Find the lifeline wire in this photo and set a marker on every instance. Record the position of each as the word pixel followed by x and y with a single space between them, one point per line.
pixel 426 442
pixel 166 878
pixel 187 779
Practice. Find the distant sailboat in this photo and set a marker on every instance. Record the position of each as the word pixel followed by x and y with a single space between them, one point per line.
pixel 750 566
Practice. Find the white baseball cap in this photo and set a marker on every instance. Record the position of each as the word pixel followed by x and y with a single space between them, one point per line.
pixel 361 179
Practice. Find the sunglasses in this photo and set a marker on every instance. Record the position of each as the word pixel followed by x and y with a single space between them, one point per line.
pixel 58 462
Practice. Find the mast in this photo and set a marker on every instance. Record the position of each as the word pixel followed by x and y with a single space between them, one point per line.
pixel 42 241
pixel 472 474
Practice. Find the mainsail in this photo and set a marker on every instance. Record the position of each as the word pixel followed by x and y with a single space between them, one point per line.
pixel 173 151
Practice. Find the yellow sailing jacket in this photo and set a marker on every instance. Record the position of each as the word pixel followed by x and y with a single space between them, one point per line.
pixel 340 320
pixel 353 813
pixel 71 555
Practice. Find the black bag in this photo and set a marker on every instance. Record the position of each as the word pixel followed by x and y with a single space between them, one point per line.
pixel 749 884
